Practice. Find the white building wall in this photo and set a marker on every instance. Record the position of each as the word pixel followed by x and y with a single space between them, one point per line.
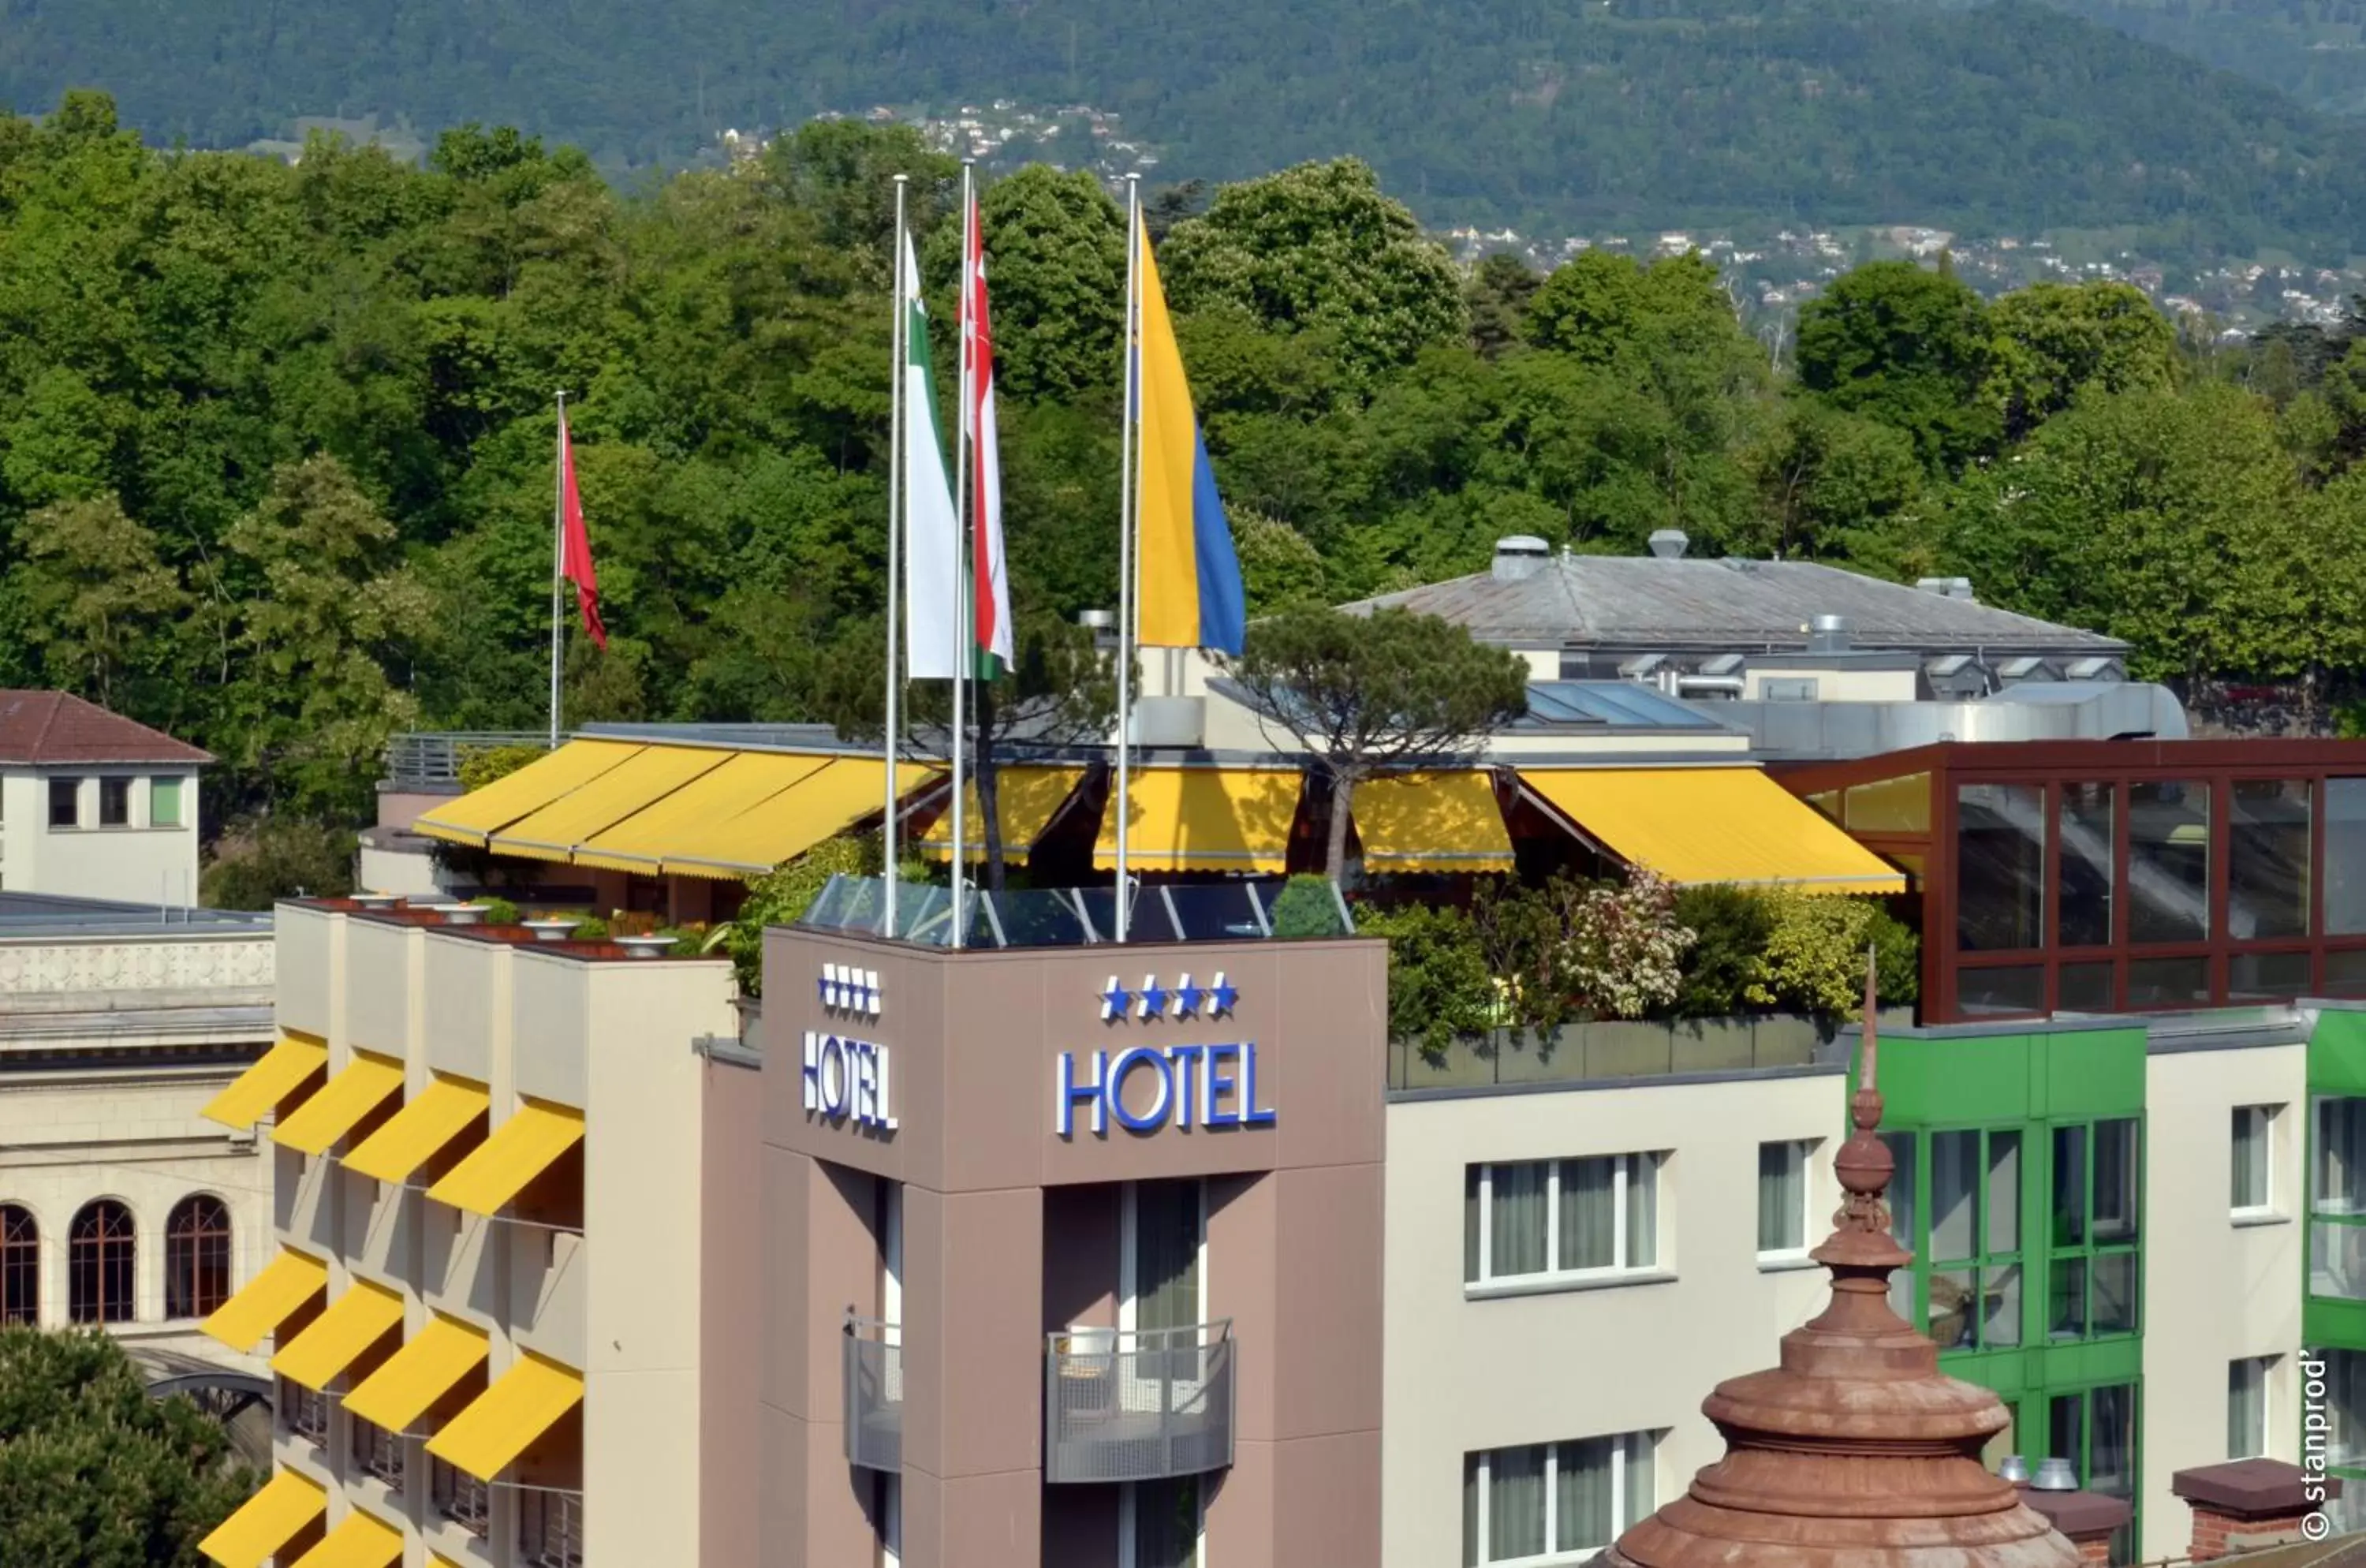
pixel 1461 1375
pixel 137 862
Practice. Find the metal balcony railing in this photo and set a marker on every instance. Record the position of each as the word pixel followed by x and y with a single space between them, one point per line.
pixel 460 1497
pixel 308 1411
pixel 1138 1405
pixel 550 1529
pixel 423 756
pixel 377 1450
pixel 874 1394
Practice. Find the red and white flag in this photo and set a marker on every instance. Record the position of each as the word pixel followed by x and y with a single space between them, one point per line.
pixel 574 544
pixel 989 576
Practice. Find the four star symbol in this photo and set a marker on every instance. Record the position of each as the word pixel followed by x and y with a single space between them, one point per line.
pixel 1153 997
pixel 1113 1000
pixel 1154 1001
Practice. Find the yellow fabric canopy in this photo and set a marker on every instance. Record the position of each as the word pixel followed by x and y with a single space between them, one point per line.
pixel 524 1403
pixel 1433 821
pixel 520 1150
pixel 359 1541
pixel 345 1099
pixel 355 1322
pixel 436 1115
pixel 1203 819
pixel 745 780
pixel 415 1377
pixel 788 824
pixel 267 1300
pixel 267 1521
pixel 1028 798
pixel 273 1077
pixel 477 815
pixel 1709 825
pixel 633 784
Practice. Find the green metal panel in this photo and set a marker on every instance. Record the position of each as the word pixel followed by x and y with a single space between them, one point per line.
pixel 1988 1079
pixel 2094 1073
pixel 2335 1324
pixel 2337 1053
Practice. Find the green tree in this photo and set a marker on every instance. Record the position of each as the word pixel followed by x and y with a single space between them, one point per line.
pixel 102 609
pixel 1909 348
pixel 1364 693
pixel 94 1472
pixel 1055 268
pixel 1496 295
pixel 2054 339
pixel 1832 484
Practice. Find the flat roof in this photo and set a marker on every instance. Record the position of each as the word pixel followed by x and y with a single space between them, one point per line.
pixel 24 915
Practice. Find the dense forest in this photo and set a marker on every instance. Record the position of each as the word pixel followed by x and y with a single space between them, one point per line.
pixel 2011 116
pixel 2312 50
pixel 275 442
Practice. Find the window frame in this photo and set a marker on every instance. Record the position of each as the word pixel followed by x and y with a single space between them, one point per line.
pixel 176 786
pixel 197 1241
pixel 20 1264
pixel 115 789
pixel 97 1252
pixel 1552 1276
pixel 2269 1118
pixel 2087 1249
pixel 1623 1449
pixel 1986 1258
pixel 1804 1150
pixel 73 793
pixel 2264 1369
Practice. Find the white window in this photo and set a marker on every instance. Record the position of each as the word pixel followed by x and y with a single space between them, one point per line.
pixel 2246 1406
pixel 1782 1198
pixel 1561 1219
pixel 2252 1190
pixel 1554 1501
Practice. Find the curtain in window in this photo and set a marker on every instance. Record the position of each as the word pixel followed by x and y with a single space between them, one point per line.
pixel 2111 1469
pixel 1584 1511
pixel 1472 1219
pixel 2250 1165
pixel 1516 1227
pixel 1643 1491
pixel 1588 1217
pixel 2115 1181
pixel 2247 1402
pixel 2341 1156
pixel 1167 1255
pixel 1471 1558
pixel 1515 1503
pixel 1781 1196
pixel 1642 1212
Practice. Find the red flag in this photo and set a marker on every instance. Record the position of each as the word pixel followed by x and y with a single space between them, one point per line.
pixel 575 545
pixel 989 576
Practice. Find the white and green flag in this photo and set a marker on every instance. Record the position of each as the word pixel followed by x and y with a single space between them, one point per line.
pixel 932 532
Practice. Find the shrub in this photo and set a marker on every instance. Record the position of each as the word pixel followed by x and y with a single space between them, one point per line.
pixel 1439 982
pixel 1621 946
pixel 481 765
pixel 782 896
pixel 255 863
pixel 499 911
pixel 1730 927
pixel 1307 907
pixel 589 927
pixel 1815 954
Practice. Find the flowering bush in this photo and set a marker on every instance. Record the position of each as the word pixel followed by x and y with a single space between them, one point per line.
pixel 1815 956
pixel 1622 950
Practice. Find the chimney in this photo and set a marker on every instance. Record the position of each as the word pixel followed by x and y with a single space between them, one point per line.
pixel 2087 1520
pixel 1669 544
pixel 2245 1505
pixel 1519 557
pixel 1829 633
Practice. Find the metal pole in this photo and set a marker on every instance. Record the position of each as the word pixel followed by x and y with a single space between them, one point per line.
pixel 961 583
pixel 557 563
pixel 895 551
pixel 1127 505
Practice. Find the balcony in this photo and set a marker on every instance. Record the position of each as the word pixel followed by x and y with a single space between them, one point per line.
pixel 1123 1406
pixel 460 1497
pixel 306 1412
pixel 550 1529
pixel 874 1394
pixel 378 1452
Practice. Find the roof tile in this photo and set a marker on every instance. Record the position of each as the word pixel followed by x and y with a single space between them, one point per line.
pixel 51 729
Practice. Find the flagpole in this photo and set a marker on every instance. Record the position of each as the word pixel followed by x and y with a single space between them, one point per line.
pixel 1126 507
pixel 962 659
pixel 894 554
pixel 557 562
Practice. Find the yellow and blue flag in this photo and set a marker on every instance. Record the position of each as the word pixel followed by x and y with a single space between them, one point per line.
pixel 1192 593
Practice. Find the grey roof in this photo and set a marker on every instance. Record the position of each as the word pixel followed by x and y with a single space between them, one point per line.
pixel 1630 601
pixel 49 914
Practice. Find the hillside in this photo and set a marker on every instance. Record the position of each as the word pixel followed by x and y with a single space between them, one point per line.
pixel 2012 117
pixel 2312 50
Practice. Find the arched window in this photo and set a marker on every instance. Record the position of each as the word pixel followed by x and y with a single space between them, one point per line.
pixel 20 1264
pixel 197 1257
pixel 99 1263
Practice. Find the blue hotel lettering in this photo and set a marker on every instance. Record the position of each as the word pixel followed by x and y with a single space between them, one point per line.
pixel 1197 1086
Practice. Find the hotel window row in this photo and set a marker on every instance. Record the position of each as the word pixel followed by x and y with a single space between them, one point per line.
pixel 1552 1503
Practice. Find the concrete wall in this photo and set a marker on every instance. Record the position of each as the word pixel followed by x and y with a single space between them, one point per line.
pixel 731 1326
pixel 2216 1289
pixel 1464 1375
pixel 138 863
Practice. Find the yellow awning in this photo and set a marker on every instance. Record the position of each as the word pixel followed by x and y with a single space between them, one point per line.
pixel 745 781
pixel 292 1279
pixel 436 1115
pixel 273 1077
pixel 359 1541
pixel 1203 819
pixel 1028 798
pixel 633 784
pixel 415 1377
pixel 355 1322
pixel 1433 821
pixel 477 816
pixel 1709 825
pixel 267 1521
pixel 522 1405
pixel 344 1100
pixel 788 824
pixel 520 1150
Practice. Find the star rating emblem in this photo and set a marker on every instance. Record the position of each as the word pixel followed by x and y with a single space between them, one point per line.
pixel 845 988
pixel 1114 999
pixel 1187 999
pixel 1153 996
pixel 1222 996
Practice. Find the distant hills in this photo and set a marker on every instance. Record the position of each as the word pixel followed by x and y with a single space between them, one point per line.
pixel 2314 50
pixel 1563 115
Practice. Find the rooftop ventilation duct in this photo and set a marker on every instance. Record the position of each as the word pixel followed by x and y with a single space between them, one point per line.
pixel 1098 620
pixel 1519 557
pixel 1829 633
pixel 1669 544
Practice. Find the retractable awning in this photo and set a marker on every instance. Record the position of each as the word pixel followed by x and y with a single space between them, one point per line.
pixel 785 825
pixel 477 815
pixel 520 1150
pixel 436 1115
pixel 524 1403
pixel 1028 799
pixel 360 1541
pixel 744 781
pixel 276 1075
pixel 1203 819
pixel 335 1339
pixel 267 1521
pixel 1710 825
pixel 267 1301
pixel 410 1380
pixel 633 784
pixel 1432 821
pixel 365 1085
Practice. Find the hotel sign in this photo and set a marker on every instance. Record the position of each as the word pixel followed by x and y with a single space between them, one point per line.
pixel 1187 1086
pixel 848 1080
